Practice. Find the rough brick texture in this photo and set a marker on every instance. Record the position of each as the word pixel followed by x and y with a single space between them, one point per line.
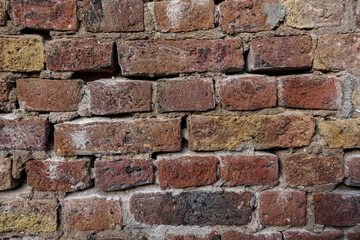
pixel 305 235
pixel 245 236
pixel 352 165
pixel 6 179
pixel 212 236
pixel 3 16
pixel 353 236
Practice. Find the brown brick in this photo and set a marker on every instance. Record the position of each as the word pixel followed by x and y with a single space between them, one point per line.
pixel 352 165
pixel 308 170
pixel 123 173
pixel 67 176
pixel 186 94
pixel 52 14
pixel 337 209
pixel 280 208
pixel 113 16
pixel 313 92
pixel 156 58
pixel 20 215
pixel 91 213
pixel 78 55
pixel 305 235
pixel 49 95
pixel 192 208
pixel 3 16
pixel 211 133
pixel 117 136
pixel 279 53
pixel 119 96
pixel 212 236
pixel 183 16
pixel 7 97
pixel 249 92
pixel 250 16
pixel 27 134
pixel 6 179
pixel 256 236
pixel 353 236
pixel 249 170
pixel 187 171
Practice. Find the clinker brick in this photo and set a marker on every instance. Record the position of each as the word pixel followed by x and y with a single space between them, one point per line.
pixel 352 164
pixel 305 235
pixel 256 236
pixel 6 179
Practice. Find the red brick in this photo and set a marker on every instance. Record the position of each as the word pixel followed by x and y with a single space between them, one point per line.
pixel 249 170
pixel 313 92
pixel 27 134
pixel 49 95
pixel 7 98
pixel 78 55
pixel 257 236
pixel 67 176
pixel 308 170
pixel 186 94
pixel 248 92
pixel 356 8
pixel 305 235
pixel 280 208
pixel 6 179
pixel 211 133
pixel 353 236
pixel 192 208
pixel 156 58
pixel 250 16
pixel 352 164
pixel 187 171
pixel 52 14
pixel 91 213
pixel 212 236
pixel 183 16
pixel 119 96
pixel 123 173
pixel 279 53
pixel 3 16
pixel 113 16
pixel 337 209
pixel 117 136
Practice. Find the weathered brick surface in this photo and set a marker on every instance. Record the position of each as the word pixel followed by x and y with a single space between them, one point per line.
pixel 186 94
pixel 356 8
pixel 113 16
pixel 137 136
pixel 192 208
pixel 6 179
pixel 250 16
pixel 52 14
pixel 156 58
pixel 245 236
pixel 353 236
pixel 249 92
pixel 187 171
pixel 49 95
pixel 119 96
pixel 67 176
pixel 182 16
pixel 21 54
pixel 305 235
pixel 7 99
pixel 280 208
pixel 337 209
pixel 91 213
pixel 211 133
pixel 308 170
pixel 36 215
pixel 279 53
pixel 212 236
pixel 78 55
pixel 352 165
pixel 3 16
pixel 123 173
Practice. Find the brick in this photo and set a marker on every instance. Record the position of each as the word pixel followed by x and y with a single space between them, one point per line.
pixel 353 236
pixel 183 16
pixel 117 136
pixel 309 170
pixel 52 15
pixel 7 97
pixel 3 16
pixel 337 209
pixel 49 95
pixel 27 134
pixel 6 179
pixel 212 236
pixel 305 235
pixel 156 58
pixel 21 54
pixel 35 215
pixel 185 94
pixel 279 53
pixel 211 133
pixel 192 208
pixel 248 92
pixel 66 176
pixel 187 171
pixel 119 96
pixel 280 208
pixel 356 8
pixel 256 236
pixel 309 14
pixel 79 55
pixel 250 16
pixel 91 213
pixel 113 16
pixel 352 165
pixel 311 92
pixel 123 174
pixel 249 170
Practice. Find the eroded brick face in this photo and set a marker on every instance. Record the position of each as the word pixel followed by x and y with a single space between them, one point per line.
pixel 305 235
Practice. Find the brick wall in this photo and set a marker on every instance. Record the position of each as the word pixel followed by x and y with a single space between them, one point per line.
pixel 180 119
